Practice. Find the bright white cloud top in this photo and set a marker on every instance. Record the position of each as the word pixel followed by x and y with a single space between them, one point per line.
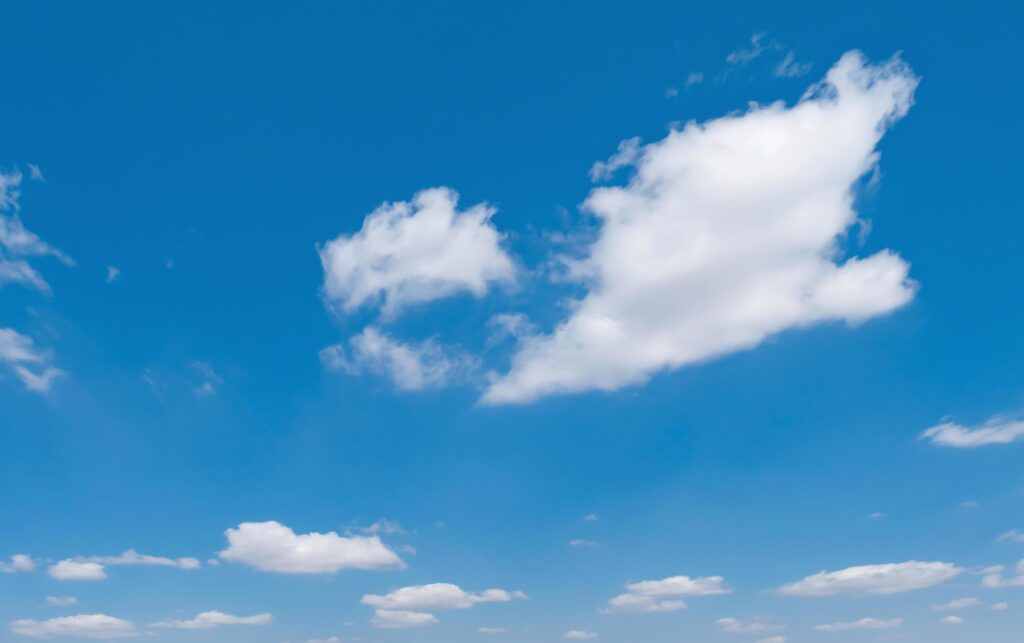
pixel 91 626
pixel 729 232
pixel 413 252
pixel 273 547
pixel 997 430
pixel 653 596
pixel 889 578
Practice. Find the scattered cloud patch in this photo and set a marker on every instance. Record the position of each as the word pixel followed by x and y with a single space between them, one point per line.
pixel 75 570
pixel 580 635
pixel 957 604
pixel 1012 536
pixel 33 366
pixel 997 430
pixel 91 626
pixel 273 547
pixel 728 233
pixel 413 606
pixel 951 620
pixel 113 274
pixel 18 563
pixel 994 577
pixel 760 43
pixel 861 624
pixel 755 625
pixel 210 620
pixel 61 601
pixel 401 619
pixel 664 595
pixel 491 630
pixel 890 578
pixel 411 252
pixel 410 366
pixel 789 67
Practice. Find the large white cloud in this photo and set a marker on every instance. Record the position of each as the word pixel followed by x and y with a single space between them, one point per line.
pixel 889 578
pixel 414 252
pixel 410 366
pixel 212 619
pixel 92 626
pixel 273 547
pixel 997 430
pixel 652 596
pixel 729 232
pixel 412 606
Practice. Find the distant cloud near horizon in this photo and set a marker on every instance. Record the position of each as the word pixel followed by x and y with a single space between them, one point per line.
pixel 889 578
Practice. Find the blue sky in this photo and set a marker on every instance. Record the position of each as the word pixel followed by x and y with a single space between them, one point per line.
pixel 625 322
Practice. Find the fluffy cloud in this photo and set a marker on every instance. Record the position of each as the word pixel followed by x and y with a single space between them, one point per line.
pixel 411 606
pixel 437 596
pixel 19 563
pixel 861 624
pixel 890 578
pixel 210 620
pixel 273 547
pixel 579 635
pixel 76 570
pixel 92 626
pixel 401 619
pixel 33 366
pixel 652 596
pixel 411 367
pixel 994 577
pixel 998 430
pixel 753 626
pixel 413 252
pixel 61 601
pixel 94 567
pixel 729 232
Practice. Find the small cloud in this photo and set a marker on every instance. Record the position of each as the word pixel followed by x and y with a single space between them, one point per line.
pixel 970 504
pixel 491 630
pixel 582 543
pixel 210 379
pixel 1012 536
pixel 759 44
pixel 113 274
pixel 671 92
pixel 591 518
pixel 580 635
pixel 788 67
pixel 875 516
pixel 958 604
pixel 757 624
pixel 694 78
pixel 35 173
pixel 212 619
pixel 1000 606
pixel 997 430
pixel 951 620
pixel 61 601
pixel 866 623
pixel 19 563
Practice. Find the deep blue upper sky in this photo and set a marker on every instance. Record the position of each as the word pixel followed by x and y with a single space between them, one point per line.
pixel 209 152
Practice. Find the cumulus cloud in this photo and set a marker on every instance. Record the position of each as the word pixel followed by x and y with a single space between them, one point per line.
pixel 889 578
pixel 412 606
pixel 212 619
pixel 755 625
pixel 75 570
pixel 19 563
pixel 273 547
pixel 413 252
pixel 94 567
pixel 866 623
pixel 401 619
pixel 994 577
pixel 33 366
pixel 410 366
pixel 61 601
pixel 729 232
pixel 92 626
pixel 579 635
pixel 997 430
pixel 652 596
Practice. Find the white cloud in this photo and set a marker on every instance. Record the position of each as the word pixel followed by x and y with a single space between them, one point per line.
pixel 579 635
pixel 581 543
pixel 694 78
pixel 957 604
pixel 491 630
pixel 132 557
pixel 273 547
pixel 92 626
pixel 772 639
pixel 653 596
pixel 994 577
pixel 401 619
pixel 75 570
pixel 411 367
pixel 759 44
pixel 19 563
pixel 591 518
pixel 212 619
pixel 1000 606
pixel 730 232
pixel 413 252
pixel 890 578
pixel 209 381
pixel 113 274
pixel 35 173
pixel 997 430
pixel 1013 536
pixel 753 626
pixel 436 597
pixel 789 67
pixel 33 366
pixel 861 624
pixel 61 601
pixel 17 243
pixel 951 620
